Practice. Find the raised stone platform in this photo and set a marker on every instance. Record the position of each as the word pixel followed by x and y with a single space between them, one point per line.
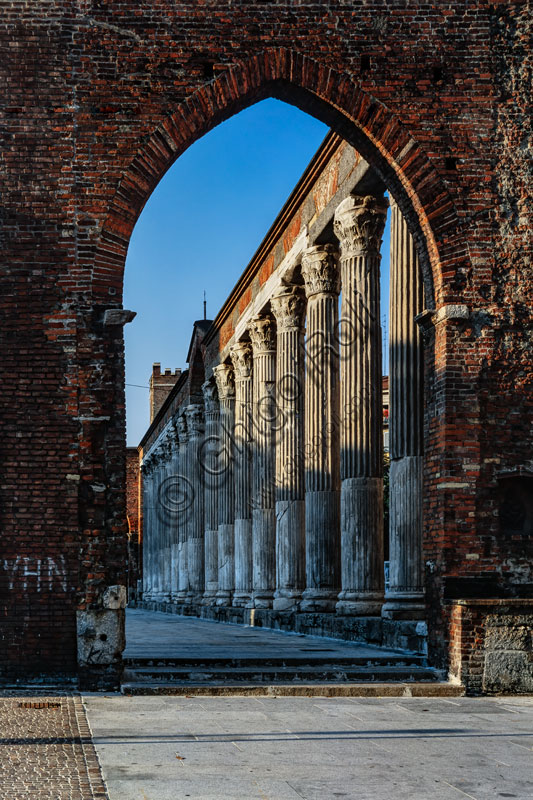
pixel 408 635
pixel 171 654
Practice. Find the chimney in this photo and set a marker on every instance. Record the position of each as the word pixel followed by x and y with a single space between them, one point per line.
pixel 161 384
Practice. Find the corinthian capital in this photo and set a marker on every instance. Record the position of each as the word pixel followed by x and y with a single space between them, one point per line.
pixel 241 358
pixel 183 434
pixel 225 381
pixel 320 270
pixel 359 224
pixel 263 334
pixel 210 393
pixel 195 420
pixel 288 307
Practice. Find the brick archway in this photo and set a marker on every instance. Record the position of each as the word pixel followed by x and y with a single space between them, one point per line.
pixel 334 99
pixel 101 98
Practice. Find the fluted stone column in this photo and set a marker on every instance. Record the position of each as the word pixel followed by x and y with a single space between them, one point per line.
pixel 226 491
pixel 263 338
pixel 359 223
pixel 183 516
pixel 157 586
pixel 146 470
pixel 174 502
pixel 405 598
pixel 165 512
pixel 322 482
pixel 195 546
pixel 210 465
pixel 288 306
pixel 241 357
pixel 149 528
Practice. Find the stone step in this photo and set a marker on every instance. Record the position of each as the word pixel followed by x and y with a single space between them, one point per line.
pixel 259 673
pixel 365 689
pixel 217 662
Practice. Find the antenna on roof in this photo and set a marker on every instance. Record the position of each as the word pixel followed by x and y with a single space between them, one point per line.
pixel 205 306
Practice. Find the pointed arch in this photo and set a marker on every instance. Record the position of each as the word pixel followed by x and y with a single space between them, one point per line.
pixel 334 98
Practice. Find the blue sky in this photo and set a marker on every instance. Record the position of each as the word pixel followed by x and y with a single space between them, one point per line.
pixel 199 229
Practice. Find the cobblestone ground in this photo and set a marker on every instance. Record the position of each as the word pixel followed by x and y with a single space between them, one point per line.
pixel 46 749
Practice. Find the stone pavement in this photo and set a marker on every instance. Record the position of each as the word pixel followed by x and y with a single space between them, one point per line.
pixel 243 748
pixel 159 635
pixel 46 751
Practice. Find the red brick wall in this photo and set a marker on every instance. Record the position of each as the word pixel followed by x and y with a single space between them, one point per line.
pixel 99 99
pixel 134 517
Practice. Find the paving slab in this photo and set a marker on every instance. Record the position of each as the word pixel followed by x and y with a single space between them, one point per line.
pixel 272 748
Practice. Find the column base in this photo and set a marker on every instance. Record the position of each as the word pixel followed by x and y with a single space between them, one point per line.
pixel 209 597
pixel 314 600
pixel 404 605
pixel 263 599
pixel 242 599
pixel 223 597
pixel 360 604
pixel 286 600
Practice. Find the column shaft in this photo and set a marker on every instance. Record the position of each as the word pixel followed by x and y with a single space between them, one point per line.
pixel 288 307
pixel 241 356
pixel 158 578
pixel 146 533
pixel 226 497
pixel 262 335
pixel 405 598
pixel 322 529
pixel 174 516
pixel 359 224
pixel 166 520
pixel 210 478
pixel 183 515
pixel 195 546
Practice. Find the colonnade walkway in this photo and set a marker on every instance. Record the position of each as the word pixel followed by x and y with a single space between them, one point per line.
pixel 171 654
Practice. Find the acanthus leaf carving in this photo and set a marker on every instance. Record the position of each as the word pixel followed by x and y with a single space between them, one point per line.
pixel 288 307
pixel 241 358
pixel 320 270
pixel 262 334
pixel 225 381
pixel 359 223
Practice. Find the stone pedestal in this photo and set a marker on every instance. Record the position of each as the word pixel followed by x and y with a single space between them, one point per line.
pixel 195 546
pixel 322 524
pixel 226 498
pixel 359 224
pixel 241 357
pixel 263 338
pixel 405 598
pixel 288 307
pixel 209 463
